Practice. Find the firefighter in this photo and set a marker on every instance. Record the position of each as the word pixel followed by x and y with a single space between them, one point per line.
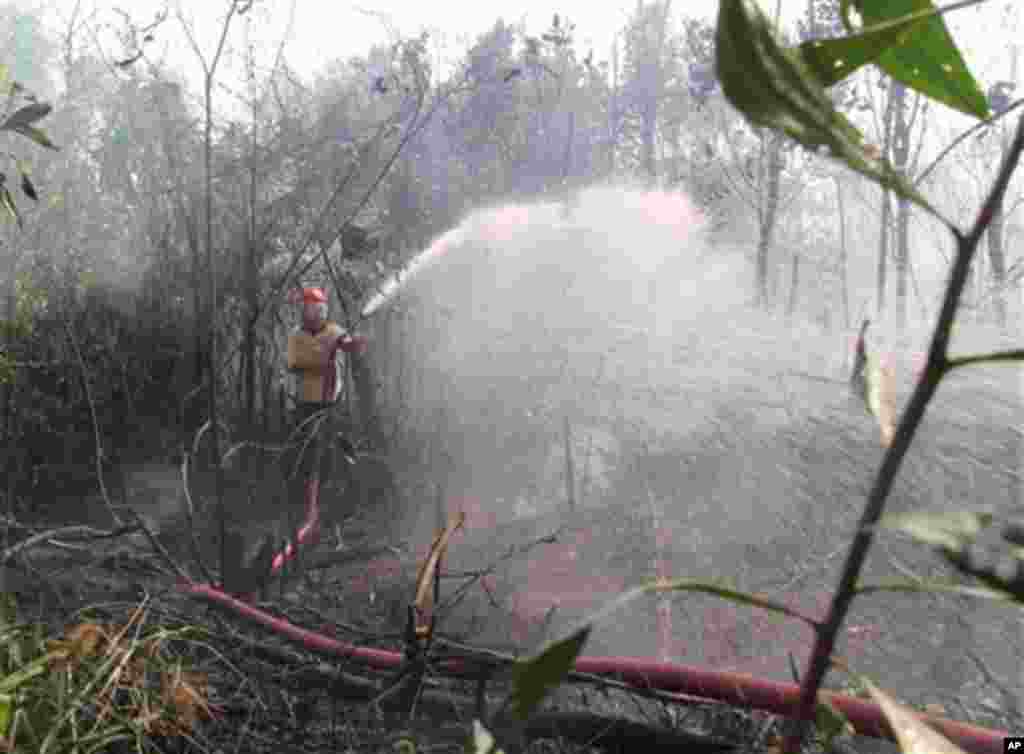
pixel 314 357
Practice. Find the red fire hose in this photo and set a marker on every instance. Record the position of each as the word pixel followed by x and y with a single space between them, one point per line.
pixel 688 681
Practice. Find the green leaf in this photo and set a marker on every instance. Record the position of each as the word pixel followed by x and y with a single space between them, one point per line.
pixel 930 61
pixel 996 357
pixel 8 610
pixel 28 188
pixel 952 530
pixel 1001 571
pixel 659 586
pixel 103 742
pixel 774 88
pixel 404 745
pixel 925 587
pixel 17 651
pixel 7 202
pixel 718 590
pixel 7 369
pixel 966 540
pixel 832 60
pixel 830 722
pixel 26 116
pixel 481 742
pixel 532 679
pixel 40 138
pixel 35 668
pixel 6 714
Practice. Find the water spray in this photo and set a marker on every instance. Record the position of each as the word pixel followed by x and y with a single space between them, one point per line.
pixel 494 225
pixel 426 259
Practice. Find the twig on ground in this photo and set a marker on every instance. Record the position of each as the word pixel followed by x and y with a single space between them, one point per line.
pixel 472 577
pixel 160 550
pixel 53 536
pixel 1009 697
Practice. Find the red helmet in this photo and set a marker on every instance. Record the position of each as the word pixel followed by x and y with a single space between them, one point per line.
pixel 308 296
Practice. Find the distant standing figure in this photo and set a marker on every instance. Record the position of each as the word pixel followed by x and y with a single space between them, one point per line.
pixel 310 351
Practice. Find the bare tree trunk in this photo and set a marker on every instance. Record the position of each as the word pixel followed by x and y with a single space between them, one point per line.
pixel 252 303
pixel 209 72
pixel 567 160
pixel 613 109
pixel 198 333
pixel 211 364
pixel 997 228
pixel 648 121
pixel 998 261
pixel 187 227
pixel 843 254
pixel 883 236
pixel 7 388
pixel 902 257
pixel 901 153
pixel 252 273
pixel 883 250
pixel 771 169
pixel 654 61
pixel 794 284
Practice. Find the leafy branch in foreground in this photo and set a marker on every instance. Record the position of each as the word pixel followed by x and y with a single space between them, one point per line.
pixel 807 117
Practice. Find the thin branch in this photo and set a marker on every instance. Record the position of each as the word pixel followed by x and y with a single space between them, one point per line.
pixel 190 514
pixel 78 532
pixel 737 191
pixel 1007 692
pixel 915 110
pixel 916 159
pixel 995 357
pixel 160 550
pixel 279 57
pixel 959 139
pixel 877 118
pixel 95 422
pixel 187 28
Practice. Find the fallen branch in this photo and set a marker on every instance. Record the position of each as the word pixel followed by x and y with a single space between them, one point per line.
pixel 53 537
pixel 159 549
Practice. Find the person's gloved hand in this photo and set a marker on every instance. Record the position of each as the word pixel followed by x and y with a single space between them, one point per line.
pixel 352 343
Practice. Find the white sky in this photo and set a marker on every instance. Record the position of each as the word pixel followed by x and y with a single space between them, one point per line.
pixel 316 32
pixel 325 29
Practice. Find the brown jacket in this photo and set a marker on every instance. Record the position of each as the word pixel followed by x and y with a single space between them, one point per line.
pixel 307 354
